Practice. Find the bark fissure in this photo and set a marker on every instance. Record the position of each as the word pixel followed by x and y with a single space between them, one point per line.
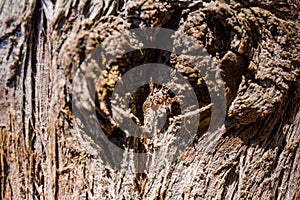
pixel 43 155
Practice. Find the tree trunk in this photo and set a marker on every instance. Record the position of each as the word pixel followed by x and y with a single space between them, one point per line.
pixel 45 153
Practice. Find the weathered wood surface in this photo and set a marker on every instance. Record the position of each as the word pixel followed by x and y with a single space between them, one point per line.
pixel 257 46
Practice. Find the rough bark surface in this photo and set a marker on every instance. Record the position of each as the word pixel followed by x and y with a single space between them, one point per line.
pixel 255 45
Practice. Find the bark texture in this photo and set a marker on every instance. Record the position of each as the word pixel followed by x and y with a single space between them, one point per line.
pixel 255 45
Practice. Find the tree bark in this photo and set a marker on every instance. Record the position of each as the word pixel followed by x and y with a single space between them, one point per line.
pixel 254 155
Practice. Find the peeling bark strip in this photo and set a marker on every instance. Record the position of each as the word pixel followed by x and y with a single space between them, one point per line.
pixel 256 46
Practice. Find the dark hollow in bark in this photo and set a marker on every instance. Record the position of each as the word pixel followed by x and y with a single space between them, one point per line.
pixel 255 47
